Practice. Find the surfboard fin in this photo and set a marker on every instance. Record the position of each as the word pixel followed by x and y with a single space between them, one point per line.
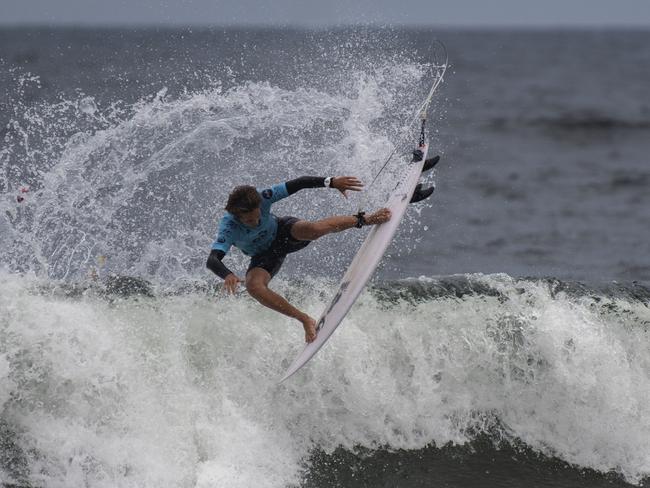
pixel 421 193
pixel 430 163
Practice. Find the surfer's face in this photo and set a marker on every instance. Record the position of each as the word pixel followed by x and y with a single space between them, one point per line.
pixel 251 218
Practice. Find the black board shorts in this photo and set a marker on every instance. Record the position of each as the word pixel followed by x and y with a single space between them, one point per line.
pixel 271 260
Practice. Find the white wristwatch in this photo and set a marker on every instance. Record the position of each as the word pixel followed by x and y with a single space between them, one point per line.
pixel 328 181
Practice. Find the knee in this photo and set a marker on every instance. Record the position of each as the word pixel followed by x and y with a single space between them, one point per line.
pixel 255 286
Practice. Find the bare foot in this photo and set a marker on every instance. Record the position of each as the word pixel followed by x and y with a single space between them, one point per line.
pixel 379 217
pixel 310 329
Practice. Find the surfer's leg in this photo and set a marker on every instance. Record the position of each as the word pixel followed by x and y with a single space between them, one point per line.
pixel 304 230
pixel 257 284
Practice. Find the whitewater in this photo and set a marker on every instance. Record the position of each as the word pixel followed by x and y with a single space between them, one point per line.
pixel 179 388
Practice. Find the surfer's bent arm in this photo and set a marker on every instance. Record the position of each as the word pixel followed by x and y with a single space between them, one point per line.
pixel 215 265
pixel 283 190
pixel 220 247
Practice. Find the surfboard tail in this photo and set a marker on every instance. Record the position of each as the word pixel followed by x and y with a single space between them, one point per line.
pixel 430 163
pixel 421 193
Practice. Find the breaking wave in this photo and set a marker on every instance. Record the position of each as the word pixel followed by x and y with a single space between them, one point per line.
pixel 124 383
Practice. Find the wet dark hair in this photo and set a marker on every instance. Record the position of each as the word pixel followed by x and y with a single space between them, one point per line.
pixel 243 199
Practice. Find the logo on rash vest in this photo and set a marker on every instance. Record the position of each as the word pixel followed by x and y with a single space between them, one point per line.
pixel 221 240
pixel 267 193
pixel 262 235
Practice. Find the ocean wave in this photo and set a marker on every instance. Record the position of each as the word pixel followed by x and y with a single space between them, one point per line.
pixel 178 386
pixel 485 459
pixel 411 290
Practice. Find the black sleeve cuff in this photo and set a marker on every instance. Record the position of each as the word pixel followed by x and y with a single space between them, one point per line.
pixel 215 265
pixel 305 182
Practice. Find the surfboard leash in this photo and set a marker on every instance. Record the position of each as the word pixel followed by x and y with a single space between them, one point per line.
pixel 421 113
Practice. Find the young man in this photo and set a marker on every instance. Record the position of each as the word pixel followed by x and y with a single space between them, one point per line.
pixel 250 226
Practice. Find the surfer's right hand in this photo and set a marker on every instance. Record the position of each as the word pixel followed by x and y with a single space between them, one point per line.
pixel 309 325
pixel 231 282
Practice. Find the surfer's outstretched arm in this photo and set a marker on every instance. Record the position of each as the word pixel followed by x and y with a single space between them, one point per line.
pixel 304 230
pixel 340 183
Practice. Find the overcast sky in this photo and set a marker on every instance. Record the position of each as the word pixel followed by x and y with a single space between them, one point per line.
pixel 633 13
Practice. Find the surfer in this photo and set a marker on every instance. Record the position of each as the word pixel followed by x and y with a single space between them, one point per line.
pixel 250 226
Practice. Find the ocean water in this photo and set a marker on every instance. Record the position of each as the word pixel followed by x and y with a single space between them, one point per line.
pixel 503 342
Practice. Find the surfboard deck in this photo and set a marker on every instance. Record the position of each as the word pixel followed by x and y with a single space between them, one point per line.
pixel 364 263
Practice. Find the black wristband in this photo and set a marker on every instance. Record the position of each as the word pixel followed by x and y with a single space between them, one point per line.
pixel 361 221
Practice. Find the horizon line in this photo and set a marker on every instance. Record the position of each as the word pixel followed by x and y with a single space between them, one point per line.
pixel 332 26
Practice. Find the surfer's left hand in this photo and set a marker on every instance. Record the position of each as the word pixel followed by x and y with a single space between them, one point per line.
pixel 345 183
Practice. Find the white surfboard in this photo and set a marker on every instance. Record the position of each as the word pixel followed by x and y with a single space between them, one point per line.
pixel 364 263
pixel 372 250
